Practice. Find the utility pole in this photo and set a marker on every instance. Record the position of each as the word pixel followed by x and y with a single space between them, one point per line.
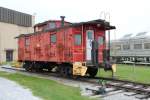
pixel 106 16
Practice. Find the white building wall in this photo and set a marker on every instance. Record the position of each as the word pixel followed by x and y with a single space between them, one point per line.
pixel 8 32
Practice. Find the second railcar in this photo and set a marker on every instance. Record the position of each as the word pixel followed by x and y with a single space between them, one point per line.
pixel 132 48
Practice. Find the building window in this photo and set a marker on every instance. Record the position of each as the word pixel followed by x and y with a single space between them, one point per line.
pixel 146 45
pixel 9 55
pixel 137 46
pixel 118 47
pixel 27 41
pixel 53 38
pixel 126 47
pixel 77 39
pixel 100 40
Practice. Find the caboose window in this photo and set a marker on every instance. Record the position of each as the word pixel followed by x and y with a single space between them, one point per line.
pixel 90 34
pixel 77 39
pixel 51 25
pixel 53 38
pixel 100 40
pixel 27 41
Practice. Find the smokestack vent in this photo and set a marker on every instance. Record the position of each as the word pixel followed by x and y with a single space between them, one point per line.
pixel 62 20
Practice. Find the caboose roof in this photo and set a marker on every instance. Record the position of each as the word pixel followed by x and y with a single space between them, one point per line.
pixel 44 23
pixel 106 25
pixel 98 21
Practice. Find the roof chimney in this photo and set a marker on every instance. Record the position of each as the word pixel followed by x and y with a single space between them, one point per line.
pixel 62 20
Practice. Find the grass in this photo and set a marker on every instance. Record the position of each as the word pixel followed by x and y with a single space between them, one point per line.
pixel 44 88
pixel 130 72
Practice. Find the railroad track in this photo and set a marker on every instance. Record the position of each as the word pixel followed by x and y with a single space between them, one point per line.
pixel 141 89
pixel 136 88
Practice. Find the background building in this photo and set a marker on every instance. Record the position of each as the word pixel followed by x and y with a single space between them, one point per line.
pixel 12 24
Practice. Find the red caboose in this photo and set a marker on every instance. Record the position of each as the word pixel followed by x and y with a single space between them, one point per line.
pixel 70 48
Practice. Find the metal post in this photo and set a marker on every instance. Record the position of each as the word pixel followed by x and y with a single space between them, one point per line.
pixel 108 14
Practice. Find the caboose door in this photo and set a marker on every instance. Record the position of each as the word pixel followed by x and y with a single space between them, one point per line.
pixel 89 39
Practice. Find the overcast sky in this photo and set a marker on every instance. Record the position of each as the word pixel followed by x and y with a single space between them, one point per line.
pixel 129 16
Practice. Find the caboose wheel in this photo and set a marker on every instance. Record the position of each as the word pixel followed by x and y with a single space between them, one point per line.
pixel 38 67
pixel 92 72
pixel 69 71
pixel 27 66
pixel 65 71
pixel 50 67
